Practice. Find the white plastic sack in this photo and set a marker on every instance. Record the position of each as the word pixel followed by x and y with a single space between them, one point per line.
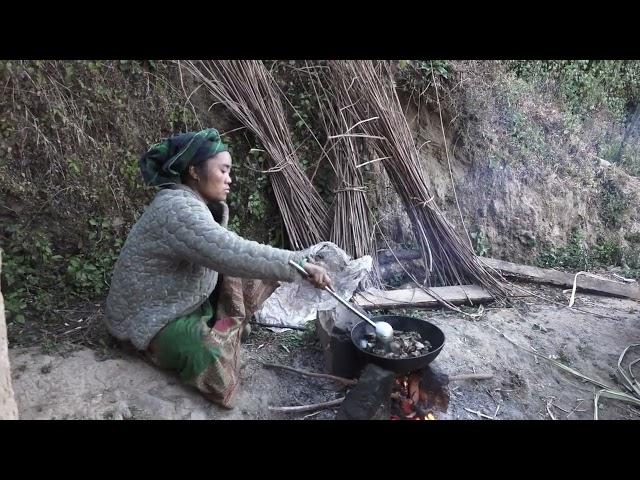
pixel 296 303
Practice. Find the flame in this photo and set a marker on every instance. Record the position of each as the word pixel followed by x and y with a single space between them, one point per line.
pixel 411 400
pixel 430 416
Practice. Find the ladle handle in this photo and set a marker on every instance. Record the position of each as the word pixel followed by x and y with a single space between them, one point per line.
pixel 334 294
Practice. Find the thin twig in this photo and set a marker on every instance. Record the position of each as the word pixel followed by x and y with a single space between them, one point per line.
pixel 558 406
pixel 471 376
pixel 630 384
pixel 372 161
pixel 344 381
pixel 446 149
pixel 575 409
pixel 480 414
pixel 311 415
pixel 74 329
pixel 309 408
pixel 625 280
pixel 278 325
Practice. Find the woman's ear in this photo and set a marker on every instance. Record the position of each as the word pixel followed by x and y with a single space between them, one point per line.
pixel 193 173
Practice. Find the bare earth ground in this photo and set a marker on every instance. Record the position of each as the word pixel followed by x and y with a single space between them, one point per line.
pixel 116 384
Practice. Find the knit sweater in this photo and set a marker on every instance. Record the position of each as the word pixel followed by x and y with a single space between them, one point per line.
pixel 170 262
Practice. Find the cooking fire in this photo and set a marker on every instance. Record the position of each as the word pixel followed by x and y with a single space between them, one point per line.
pixel 410 401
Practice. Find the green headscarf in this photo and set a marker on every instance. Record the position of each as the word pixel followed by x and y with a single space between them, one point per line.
pixel 165 162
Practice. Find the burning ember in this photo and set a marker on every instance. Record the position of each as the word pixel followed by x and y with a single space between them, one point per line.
pixel 411 402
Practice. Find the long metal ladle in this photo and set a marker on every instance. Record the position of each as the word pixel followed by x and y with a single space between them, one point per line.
pixel 384 331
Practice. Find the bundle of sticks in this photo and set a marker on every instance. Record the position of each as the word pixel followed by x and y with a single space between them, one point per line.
pixel 367 93
pixel 248 90
pixel 352 226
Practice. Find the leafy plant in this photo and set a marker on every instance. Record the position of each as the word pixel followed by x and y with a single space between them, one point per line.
pixel 480 243
pixel 578 255
pixel 585 85
pixel 415 75
pixel 613 203
pixel 573 255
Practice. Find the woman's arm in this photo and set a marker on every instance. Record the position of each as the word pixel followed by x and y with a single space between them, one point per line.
pixel 193 235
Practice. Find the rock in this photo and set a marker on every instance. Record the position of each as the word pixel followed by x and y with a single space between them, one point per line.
pixel 370 399
pixel 120 412
pixel 8 406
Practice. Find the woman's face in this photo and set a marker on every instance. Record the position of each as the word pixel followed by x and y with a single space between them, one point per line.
pixel 215 185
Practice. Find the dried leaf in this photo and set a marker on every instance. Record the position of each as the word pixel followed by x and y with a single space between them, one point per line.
pixel 613 395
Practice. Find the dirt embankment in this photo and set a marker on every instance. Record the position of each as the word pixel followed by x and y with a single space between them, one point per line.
pixel 516 211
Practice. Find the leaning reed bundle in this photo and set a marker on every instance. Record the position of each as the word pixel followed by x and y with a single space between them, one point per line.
pixel 352 223
pixel 247 89
pixel 369 91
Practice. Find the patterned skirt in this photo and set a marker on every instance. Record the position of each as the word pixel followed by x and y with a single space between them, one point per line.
pixel 204 346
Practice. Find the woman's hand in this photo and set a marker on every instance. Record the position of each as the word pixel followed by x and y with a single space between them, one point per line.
pixel 318 275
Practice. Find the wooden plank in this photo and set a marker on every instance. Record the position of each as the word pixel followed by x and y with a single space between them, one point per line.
pixel 416 297
pixel 562 279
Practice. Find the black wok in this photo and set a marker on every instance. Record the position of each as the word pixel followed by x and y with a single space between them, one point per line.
pixel 427 330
